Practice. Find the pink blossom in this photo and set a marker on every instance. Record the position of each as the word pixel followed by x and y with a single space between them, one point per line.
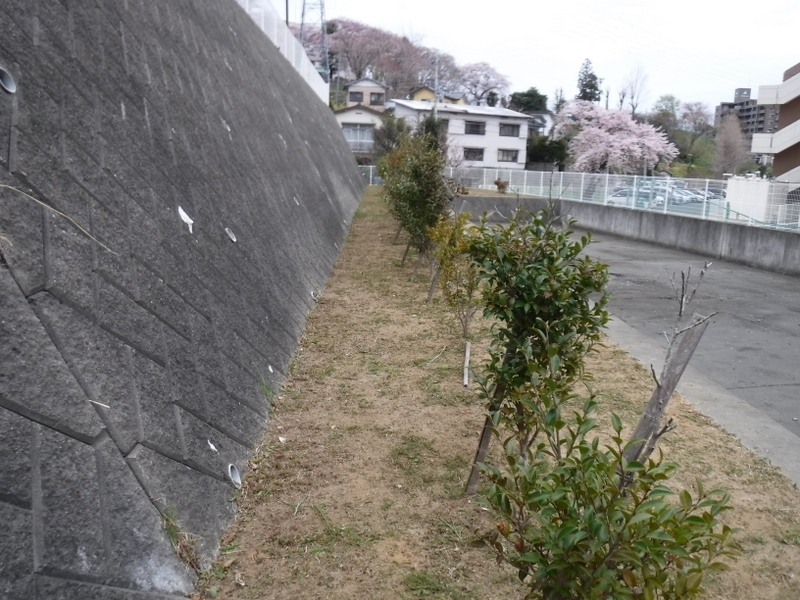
pixel 601 139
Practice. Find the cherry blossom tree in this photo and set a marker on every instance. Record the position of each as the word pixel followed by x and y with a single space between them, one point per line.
pixel 609 140
pixel 449 72
pixel 358 50
pixel 398 65
pixel 478 80
pixel 357 46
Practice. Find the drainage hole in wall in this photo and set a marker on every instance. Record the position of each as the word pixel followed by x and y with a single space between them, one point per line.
pixel 7 81
pixel 233 473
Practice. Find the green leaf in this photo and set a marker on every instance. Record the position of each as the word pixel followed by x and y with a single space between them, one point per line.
pixel 616 422
pixel 693 581
pixel 640 517
pixel 686 500
pixel 653 503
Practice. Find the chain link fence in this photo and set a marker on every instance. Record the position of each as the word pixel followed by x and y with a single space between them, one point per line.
pixel 754 202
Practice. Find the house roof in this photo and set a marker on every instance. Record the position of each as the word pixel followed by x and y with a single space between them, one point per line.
pixel 449 95
pixel 420 88
pixel 358 107
pixel 464 109
pixel 366 81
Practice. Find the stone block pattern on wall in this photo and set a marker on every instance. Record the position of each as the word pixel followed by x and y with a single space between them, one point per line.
pixel 191 195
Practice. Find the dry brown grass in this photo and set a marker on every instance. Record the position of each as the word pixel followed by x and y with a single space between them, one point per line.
pixel 363 500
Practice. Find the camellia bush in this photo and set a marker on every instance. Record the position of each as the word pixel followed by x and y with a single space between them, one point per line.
pixel 574 517
pixel 415 189
pixel 548 302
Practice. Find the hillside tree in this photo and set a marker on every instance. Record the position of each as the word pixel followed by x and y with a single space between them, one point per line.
pixel 695 123
pixel 559 100
pixel 528 101
pixel 478 80
pixel 635 88
pixel 731 152
pixel 665 115
pixel 588 83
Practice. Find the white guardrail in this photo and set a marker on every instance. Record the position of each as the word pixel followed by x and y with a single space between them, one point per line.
pixel 749 201
pixel 268 20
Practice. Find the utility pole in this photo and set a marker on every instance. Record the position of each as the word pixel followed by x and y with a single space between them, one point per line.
pixel 435 84
pixel 314 18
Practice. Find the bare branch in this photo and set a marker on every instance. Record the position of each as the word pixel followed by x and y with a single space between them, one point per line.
pixel 698 321
pixel 655 378
pixel 672 281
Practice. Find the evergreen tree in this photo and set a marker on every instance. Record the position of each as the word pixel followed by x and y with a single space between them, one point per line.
pixel 588 83
pixel 530 101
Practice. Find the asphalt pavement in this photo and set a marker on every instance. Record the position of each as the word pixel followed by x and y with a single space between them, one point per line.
pixel 745 374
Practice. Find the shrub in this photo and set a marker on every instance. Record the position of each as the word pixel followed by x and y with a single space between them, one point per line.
pixel 576 519
pixel 458 274
pixel 574 529
pixel 538 291
pixel 414 187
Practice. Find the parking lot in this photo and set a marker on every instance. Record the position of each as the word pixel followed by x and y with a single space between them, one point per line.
pixel 744 373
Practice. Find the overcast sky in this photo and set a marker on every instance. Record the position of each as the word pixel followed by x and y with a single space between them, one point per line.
pixel 697 50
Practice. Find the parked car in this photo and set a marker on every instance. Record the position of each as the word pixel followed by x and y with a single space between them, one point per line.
pixel 639 198
pixel 679 196
pixel 699 194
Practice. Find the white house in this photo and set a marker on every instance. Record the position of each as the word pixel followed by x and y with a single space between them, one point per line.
pixel 484 136
pixel 362 114
pixel 358 125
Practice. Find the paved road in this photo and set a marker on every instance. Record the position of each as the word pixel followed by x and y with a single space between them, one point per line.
pixel 750 352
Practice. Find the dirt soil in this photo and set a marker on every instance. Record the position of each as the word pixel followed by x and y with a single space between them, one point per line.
pixel 356 490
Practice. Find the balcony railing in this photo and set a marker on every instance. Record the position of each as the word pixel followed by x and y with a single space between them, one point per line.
pixel 361 146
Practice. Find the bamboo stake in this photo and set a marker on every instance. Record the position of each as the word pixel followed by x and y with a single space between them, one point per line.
pixel 466 365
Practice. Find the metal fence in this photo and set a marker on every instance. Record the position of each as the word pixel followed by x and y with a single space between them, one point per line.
pixel 752 202
pixel 268 20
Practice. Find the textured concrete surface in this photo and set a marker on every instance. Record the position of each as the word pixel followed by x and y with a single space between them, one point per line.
pixel 130 342
pixel 758 247
pixel 752 344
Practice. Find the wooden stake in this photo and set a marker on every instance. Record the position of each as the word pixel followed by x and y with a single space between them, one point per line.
pixel 466 365
pixel 650 423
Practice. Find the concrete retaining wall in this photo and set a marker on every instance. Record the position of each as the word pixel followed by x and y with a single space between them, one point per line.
pixel 203 192
pixel 759 247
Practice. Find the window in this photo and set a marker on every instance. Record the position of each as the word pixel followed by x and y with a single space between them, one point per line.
pixel 376 99
pixel 475 128
pixel 508 130
pixel 445 125
pixel 359 136
pixel 473 153
pixel 507 155
pixel 356 96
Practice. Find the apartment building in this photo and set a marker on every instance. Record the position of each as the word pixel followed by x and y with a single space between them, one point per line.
pixel 482 136
pixel 754 116
pixel 784 142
